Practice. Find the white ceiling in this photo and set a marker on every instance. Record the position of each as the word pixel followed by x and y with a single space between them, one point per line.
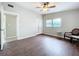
pixel 60 6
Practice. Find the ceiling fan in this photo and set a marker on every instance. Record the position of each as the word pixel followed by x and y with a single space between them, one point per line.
pixel 46 5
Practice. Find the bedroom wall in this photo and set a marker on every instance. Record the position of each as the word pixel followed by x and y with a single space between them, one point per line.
pixel 29 24
pixel 70 20
pixel 0 28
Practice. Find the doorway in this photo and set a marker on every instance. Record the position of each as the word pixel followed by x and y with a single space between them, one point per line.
pixel 10 26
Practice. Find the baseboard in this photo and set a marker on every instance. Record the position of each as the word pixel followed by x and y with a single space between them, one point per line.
pixel 41 34
pixel 53 36
pixel 20 38
pixel 11 37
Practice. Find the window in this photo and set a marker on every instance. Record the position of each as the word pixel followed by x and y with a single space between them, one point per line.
pixel 57 22
pixel 48 23
pixel 53 23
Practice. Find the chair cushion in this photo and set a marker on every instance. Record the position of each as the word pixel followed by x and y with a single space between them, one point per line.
pixel 75 31
pixel 77 37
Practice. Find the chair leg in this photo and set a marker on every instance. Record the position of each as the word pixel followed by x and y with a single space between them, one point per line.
pixel 71 39
pixel 64 37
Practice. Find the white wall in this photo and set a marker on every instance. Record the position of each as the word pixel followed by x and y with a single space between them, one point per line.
pixel 70 20
pixel 0 5
pixel 0 27
pixel 30 23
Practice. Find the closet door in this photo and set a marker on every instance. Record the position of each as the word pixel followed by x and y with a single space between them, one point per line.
pixel 2 28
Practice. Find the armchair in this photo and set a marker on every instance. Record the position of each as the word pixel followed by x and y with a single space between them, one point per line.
pixel 74 34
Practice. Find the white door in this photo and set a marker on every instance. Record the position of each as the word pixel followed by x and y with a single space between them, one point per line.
pixel 2 29
pixel 10 27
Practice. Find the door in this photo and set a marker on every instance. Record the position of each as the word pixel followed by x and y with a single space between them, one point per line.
pixel 10 27
pixel 2 28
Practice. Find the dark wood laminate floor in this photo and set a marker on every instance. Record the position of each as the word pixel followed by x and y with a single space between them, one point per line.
pixel 40 45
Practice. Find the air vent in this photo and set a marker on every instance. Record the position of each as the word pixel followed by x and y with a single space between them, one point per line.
pixel 10 5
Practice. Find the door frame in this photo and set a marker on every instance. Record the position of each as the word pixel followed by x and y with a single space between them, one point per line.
pixel 2 11
pixel 17 23
pixel 2 29
pixel 3 21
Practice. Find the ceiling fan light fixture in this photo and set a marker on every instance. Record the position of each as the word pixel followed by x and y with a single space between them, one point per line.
pixel 46 5
pixel 45 9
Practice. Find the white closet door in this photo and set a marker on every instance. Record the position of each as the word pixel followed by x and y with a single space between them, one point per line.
pixel 3 22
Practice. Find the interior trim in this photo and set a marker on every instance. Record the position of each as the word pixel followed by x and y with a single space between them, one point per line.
pixel 53 36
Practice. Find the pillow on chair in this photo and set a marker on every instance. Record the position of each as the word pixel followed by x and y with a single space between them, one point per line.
pixel 75 31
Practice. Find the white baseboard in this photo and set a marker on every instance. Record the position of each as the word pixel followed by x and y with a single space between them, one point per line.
pixel 19 38
pixel 11 37
pixel 54 35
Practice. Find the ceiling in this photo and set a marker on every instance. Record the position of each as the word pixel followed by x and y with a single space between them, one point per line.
pixel 60 6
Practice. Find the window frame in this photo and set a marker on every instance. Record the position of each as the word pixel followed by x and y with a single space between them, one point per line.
pixel 59 22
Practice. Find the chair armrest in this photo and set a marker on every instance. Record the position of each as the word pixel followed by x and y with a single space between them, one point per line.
pixel 67 34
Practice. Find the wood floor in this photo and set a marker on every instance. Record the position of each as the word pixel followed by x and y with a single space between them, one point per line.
pixel 40 45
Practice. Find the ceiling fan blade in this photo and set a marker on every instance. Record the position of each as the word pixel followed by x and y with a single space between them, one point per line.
pixel 51 6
